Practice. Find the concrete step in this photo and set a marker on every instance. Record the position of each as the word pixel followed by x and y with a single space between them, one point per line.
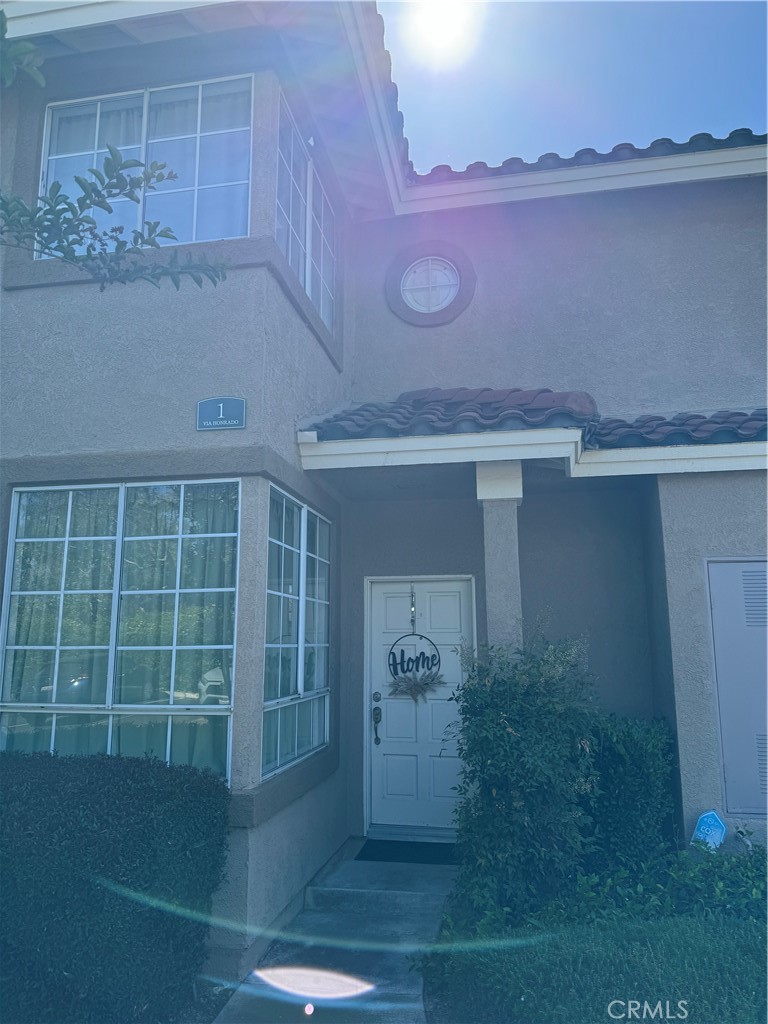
pixel 357 927
pixel 381 903
pixel 363 921
pixel 379 876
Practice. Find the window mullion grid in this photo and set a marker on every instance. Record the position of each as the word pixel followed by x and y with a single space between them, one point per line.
pixel 301 624
pixel 197 161
pixel 233 664
pixel 54 694
pixel 293 237
pixel 96 135
pixel 308 234
pixel 113 625
pixel 144 148
pixel 114 621
pixel 44 163
pixel 9 564
pixel 302 601
pixel 175 620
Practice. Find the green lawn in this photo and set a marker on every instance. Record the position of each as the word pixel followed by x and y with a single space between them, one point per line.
pixel 703 970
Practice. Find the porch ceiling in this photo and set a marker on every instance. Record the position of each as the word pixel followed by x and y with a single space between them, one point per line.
pixel 404 483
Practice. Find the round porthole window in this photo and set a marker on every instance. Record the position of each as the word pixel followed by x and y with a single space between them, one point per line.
pixel 430 284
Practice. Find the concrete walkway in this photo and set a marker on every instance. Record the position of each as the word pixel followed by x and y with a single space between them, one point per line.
pixel 345 957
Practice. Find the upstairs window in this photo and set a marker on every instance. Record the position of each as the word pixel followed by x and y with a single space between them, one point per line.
pixel 305 223
pixel 202 132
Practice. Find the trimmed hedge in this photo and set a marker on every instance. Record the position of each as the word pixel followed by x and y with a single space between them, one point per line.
pixel 106 863
pixel 551 786
pixel 714 967
pixel 633 761
pixel 525 740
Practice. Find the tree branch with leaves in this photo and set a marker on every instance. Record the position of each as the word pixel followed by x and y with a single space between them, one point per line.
pixel 65 228
pixel 61 223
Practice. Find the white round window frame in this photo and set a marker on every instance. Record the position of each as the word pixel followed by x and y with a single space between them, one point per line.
pixel 402 263
pixel 454 284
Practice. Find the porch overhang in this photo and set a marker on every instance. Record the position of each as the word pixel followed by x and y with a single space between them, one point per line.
pixel 563 443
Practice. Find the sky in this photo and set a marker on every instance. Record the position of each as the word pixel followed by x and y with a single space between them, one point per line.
pixel 492 80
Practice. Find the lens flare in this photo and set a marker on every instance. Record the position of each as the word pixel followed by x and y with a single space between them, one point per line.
pixel 442 32
pixel 314 983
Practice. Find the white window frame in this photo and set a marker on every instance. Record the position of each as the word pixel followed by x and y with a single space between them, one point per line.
pixel 455 285
pixel 145 93
pixel 109 708
pixel 313 181
pixel 300 696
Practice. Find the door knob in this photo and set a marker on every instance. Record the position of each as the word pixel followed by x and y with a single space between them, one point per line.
pixel 376 720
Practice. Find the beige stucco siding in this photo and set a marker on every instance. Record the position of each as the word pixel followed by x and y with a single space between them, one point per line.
pixel 582 567
pixel 652 300
pixel 267 869
pixel 713 515
pixel 124 370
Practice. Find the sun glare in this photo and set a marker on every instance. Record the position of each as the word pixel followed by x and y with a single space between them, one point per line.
pixel 442 32
pixel 314 983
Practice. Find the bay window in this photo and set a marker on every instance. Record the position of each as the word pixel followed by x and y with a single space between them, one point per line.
pixel 119 621
pixel 305 222
pixel 201 131
pixel 297 633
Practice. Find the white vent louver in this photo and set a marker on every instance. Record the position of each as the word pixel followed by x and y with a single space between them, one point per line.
pixel 755 586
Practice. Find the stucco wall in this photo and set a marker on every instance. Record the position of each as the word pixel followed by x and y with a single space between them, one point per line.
pixel 710 515
pixel 582 573
pixel 124 370
pixel 652 300
pixel 268 867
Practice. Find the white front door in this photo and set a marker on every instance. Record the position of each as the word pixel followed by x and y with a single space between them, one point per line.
pixel 415 628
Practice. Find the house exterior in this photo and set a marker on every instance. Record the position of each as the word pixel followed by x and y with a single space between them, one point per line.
pixel 436 409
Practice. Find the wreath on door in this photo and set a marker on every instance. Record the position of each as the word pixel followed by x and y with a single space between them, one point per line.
pixel 415 687
pixel 417 674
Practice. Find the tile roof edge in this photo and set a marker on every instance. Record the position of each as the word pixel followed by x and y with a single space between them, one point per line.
pixel 699 142
pixel 623 151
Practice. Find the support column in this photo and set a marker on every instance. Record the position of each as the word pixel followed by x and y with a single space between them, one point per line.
pixel 500 491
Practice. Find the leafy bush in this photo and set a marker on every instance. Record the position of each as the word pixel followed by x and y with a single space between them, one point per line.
pixel 108 868
pixel 561 905
pixel 714 968
pixel 633 761
pixel 525 739
pixel 688 882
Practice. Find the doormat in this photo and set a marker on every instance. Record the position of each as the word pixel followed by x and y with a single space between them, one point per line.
pixel 408 853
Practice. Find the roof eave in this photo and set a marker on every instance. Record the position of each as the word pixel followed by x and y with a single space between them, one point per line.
pixel 744 161
pixel 408 198
pixel 523 445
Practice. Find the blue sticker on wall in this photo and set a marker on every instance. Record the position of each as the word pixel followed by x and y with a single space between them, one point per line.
pixel 710 829
pixel 221 414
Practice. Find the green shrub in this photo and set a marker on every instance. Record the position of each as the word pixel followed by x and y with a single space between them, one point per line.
pixel 525 739
pixel 106 863
pixel 715 968
pixel 688 882
pixel 634 762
